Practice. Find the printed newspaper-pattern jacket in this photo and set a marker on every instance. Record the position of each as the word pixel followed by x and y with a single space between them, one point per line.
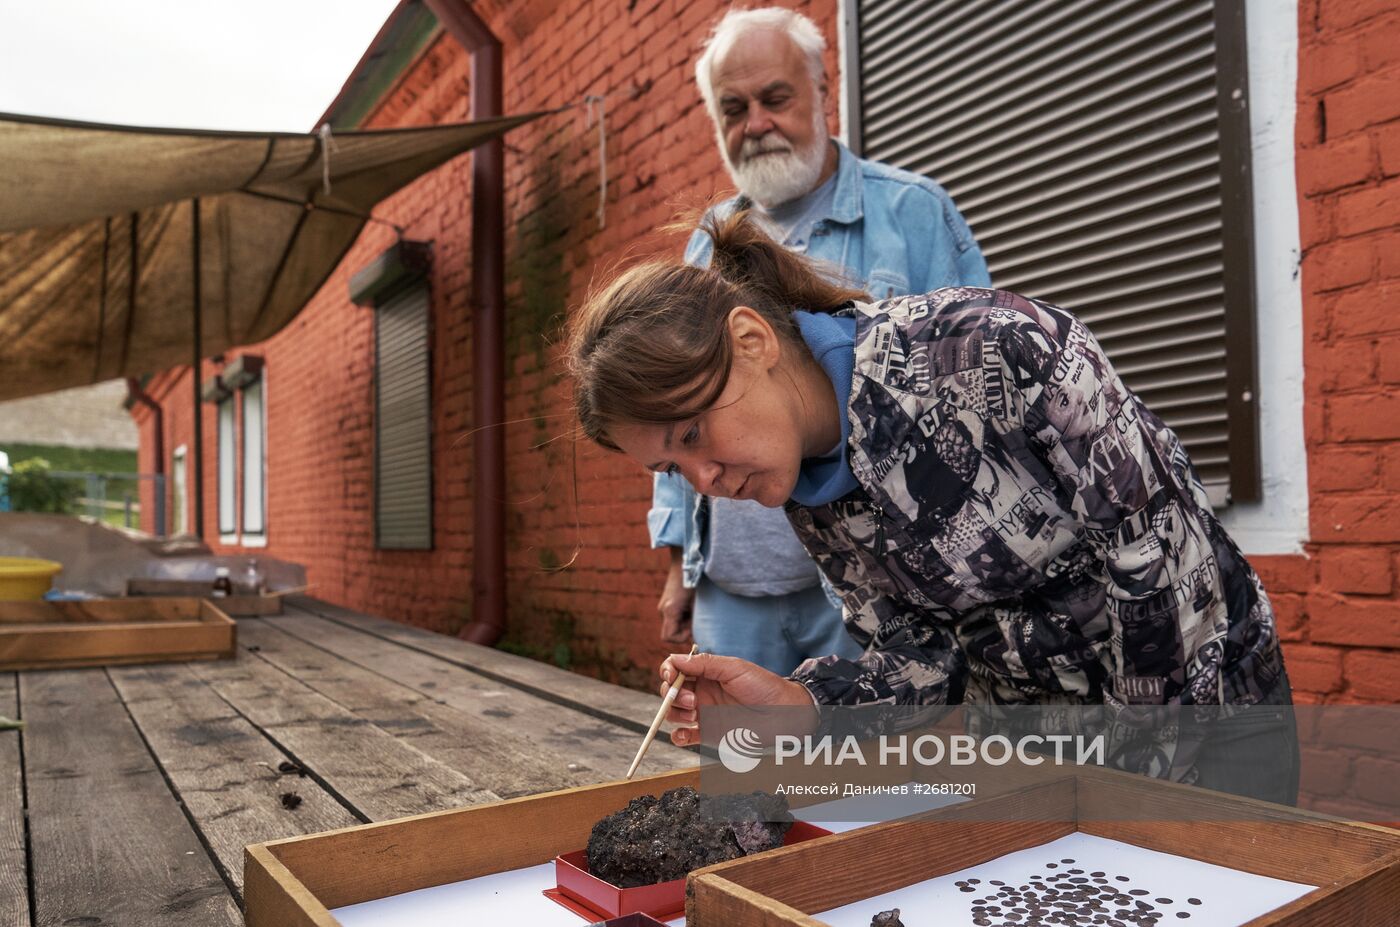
pixel 1025 531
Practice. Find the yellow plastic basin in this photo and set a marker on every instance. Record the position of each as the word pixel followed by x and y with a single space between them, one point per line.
pixel 26 577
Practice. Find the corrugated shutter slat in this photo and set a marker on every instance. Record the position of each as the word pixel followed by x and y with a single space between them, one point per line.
pixel 1082 142
pixel 403 511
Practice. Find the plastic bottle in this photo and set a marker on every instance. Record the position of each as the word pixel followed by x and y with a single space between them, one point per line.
pixel 223 586
pixel 252 577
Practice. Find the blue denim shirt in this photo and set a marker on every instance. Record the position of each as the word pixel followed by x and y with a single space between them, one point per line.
pixel 896 233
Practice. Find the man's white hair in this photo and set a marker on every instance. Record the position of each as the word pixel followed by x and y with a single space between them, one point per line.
pixel 803 32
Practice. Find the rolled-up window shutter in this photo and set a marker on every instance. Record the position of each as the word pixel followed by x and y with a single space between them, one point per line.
pixel 1086 142
pixel 403 423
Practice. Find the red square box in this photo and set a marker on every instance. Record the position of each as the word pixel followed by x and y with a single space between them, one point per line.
pixel 589 896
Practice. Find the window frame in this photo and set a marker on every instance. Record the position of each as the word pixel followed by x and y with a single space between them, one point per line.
pixel 247 537
pixel 227 470
pixel 179 491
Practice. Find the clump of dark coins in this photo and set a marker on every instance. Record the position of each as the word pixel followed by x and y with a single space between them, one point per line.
pixel 1063 895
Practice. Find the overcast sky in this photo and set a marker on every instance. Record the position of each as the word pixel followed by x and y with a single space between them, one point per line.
pixel 206 64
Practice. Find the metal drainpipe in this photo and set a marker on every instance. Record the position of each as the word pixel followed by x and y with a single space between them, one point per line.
pixel 488 327
pixel 135 393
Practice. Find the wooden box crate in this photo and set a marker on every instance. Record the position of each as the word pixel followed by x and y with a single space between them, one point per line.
pixel 1355 866
pixel 242 605
pixel 296 882
pixel 106 632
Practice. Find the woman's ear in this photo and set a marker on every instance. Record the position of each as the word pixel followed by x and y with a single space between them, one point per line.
pixel 753 338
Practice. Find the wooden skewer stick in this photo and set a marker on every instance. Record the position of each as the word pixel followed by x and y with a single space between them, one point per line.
pixel 666 703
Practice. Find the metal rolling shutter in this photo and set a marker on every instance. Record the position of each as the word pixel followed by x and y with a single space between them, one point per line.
pixel 403 472
pixel 1085 141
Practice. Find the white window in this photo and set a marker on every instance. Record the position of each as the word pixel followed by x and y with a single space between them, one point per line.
pixel 179 492
pixel 254 463
pixel 228 472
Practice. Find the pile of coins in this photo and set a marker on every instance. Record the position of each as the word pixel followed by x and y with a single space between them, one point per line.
pixel 1069 898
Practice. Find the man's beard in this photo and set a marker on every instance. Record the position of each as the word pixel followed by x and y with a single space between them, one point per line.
pixel 773 179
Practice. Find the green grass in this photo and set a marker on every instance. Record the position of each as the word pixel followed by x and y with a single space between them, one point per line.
pixel 86 460
pixel 83 460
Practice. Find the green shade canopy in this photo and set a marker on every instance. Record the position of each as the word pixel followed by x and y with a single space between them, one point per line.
pixel 79 200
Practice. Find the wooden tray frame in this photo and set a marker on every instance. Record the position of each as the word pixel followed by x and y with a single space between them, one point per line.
pixel 1356 866
pixel 110 632
pixel 239 605
pixel 296 882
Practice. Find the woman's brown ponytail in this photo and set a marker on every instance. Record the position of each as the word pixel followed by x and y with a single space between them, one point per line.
pixel 745 256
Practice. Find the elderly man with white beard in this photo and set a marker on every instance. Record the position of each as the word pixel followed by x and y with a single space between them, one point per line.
pixel 740 584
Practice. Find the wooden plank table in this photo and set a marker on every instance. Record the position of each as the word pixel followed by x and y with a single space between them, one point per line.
pixel 131 792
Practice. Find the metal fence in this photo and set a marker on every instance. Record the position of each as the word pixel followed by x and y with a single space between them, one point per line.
pixel 115 498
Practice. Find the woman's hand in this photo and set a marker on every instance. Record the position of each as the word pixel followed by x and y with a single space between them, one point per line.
pixel 676 604
pixel 716 680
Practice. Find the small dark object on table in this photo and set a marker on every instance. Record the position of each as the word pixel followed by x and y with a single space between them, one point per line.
pixel 887 919
pixel 290 800
pixel 659 839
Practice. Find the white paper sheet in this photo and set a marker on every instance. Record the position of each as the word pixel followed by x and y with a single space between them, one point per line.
pixel 514 897
pixel 1228 898
pixel 870 809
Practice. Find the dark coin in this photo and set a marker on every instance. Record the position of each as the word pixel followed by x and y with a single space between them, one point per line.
pixel 1137 891
pixel 1183 914
pixel 1193 901
pixel 1122 878
pixel 963 888
pixel 1164 901
pixel 1096 874
pixel 1067 861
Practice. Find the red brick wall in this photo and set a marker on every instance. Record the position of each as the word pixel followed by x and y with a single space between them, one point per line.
pixel 599 613
pixel 1338 609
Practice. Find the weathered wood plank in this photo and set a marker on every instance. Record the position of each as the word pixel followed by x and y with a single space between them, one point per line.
pixel 14 893
pixel 616 704
pixel 371 770
pixel 109 842
pixel 222 767
pixel 507 761
pixel 602 750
